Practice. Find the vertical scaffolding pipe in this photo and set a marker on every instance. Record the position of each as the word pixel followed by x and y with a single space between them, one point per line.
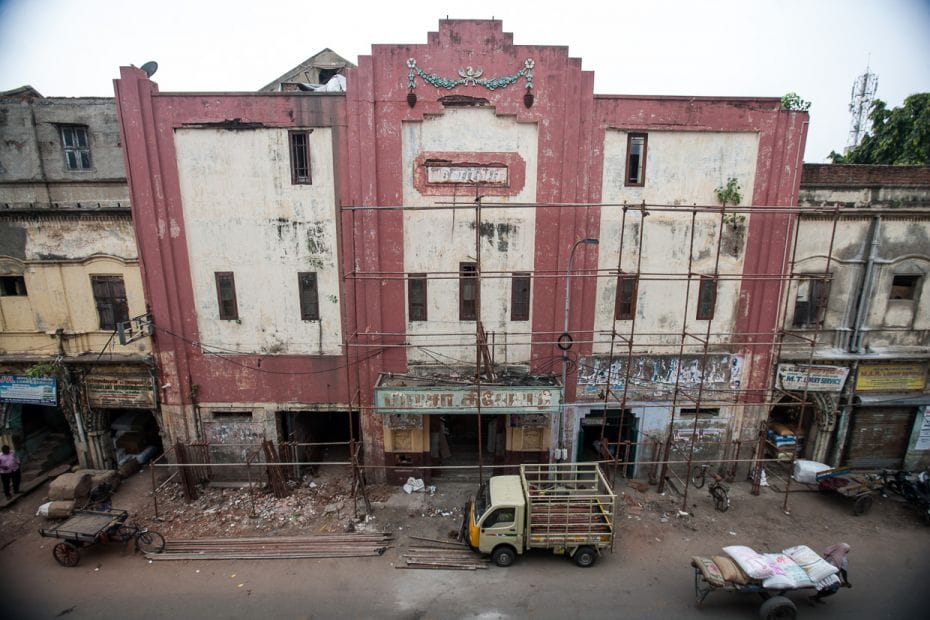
pixel 681 349
pixel 478 330
pixel 704 353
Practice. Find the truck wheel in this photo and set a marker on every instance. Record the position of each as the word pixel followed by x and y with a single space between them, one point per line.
pixel 778 608
pixel 504 555
pixel 585 557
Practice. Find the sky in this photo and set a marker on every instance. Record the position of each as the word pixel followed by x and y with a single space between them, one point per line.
pixel 816 48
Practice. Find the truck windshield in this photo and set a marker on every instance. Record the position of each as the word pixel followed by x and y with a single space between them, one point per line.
pixel 482 500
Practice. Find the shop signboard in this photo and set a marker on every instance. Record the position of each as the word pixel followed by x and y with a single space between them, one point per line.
pixel 891 377
pixel 799 378
pixel 120 392
pixel 467 400
pixel 28 390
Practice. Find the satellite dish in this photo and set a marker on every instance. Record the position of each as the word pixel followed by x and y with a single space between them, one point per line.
pixel 150 68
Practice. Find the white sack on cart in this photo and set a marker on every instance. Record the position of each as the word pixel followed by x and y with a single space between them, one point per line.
pixel 806 471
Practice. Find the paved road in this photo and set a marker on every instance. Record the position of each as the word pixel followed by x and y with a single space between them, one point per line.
pixel 648 576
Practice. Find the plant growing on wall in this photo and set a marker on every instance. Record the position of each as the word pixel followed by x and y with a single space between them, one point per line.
pixel 729 194
pixel 794 103
pixel 42 369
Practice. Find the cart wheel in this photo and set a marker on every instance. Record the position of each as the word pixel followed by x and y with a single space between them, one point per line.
pixel 778 608
pixel 863 505
pixel 67 554
pixel 150 542
pixel 585 557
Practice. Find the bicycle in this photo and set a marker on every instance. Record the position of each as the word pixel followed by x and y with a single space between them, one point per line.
pixel 146 541
pixel 720 492
pixel 699 476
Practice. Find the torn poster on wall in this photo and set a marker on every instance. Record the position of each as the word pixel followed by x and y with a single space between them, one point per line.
pixel 654 377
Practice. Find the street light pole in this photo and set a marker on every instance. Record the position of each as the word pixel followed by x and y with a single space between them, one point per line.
pixel 567 340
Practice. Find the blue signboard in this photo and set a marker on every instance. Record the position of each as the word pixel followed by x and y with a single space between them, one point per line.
pixel 28 390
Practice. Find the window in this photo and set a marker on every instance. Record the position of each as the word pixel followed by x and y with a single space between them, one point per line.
pixel 904 287
pixel 520 297
pixel 625 305
pixel 702 412
pixel 309 296
pixel 226 295
pixel 12 286
pixel 300 157
pixel 468 291
pixel 232 416
pixel 707 298
pixel 110 297
pixel 416 296
pixel 76 147
pixel 810 304
pixel 635 160
pixel 501 516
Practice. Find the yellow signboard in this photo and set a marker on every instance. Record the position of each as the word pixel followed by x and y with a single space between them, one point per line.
pixel 891 377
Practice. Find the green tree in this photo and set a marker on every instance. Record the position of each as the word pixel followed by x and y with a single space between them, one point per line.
pixel 899 137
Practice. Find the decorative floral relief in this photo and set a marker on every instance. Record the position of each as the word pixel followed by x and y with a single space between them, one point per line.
pixel 469 76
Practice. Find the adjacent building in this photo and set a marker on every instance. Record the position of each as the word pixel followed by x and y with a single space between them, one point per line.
pixel 73 364
pixel 857 321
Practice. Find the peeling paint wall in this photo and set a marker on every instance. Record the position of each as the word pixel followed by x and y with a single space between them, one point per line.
pixel 681 168
pixel 236 186
pixel 437 241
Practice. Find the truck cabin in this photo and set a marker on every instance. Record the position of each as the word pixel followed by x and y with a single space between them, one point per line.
pixel 498 515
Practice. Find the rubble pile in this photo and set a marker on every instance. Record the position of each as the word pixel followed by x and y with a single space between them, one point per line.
pixel 318 506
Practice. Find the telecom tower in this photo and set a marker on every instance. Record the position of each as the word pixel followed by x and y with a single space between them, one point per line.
pixel 860 102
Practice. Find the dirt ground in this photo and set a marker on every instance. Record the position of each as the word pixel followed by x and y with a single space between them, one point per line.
pixel 324 504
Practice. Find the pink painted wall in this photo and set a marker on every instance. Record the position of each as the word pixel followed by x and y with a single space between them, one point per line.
pixel 367 123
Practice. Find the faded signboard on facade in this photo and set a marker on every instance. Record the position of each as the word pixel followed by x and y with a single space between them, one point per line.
pixel 812 378
pixel 891 377
pixel 655 377
pixel 120 392
pixel 485 175
pixel 466 400
pixel 28 390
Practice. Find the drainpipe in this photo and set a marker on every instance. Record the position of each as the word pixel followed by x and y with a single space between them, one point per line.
pixel 865 292
pixel 842 425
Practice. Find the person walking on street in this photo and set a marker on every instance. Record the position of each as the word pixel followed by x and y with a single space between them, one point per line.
pixel 9 471
pixel 837 555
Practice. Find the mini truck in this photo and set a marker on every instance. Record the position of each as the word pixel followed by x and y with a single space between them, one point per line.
pixel 567 508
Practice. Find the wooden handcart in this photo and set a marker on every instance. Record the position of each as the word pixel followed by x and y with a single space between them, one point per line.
pixel 89 527
pixel 860 488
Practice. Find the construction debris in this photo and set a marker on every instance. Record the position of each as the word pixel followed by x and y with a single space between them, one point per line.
pixel 276 547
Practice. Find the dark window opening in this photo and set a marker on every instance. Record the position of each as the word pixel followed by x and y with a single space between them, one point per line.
pixel 625 305
pixel 12 286
pixel 232 416
pixel 468 291
pixel 702 412
pixel 520 297
pixel 810 303
pixel 904 287
pixel 416 296
pixel 327 74
pixel 76 147
pixel 707 298
pixel 309 296
pixel 226 295
pixel 636 159
pixel 300 158
pixel 110 298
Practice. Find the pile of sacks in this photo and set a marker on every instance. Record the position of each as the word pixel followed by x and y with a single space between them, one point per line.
pixel 793 568
pixel 71 491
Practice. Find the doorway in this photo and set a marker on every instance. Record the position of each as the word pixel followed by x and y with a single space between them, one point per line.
pixel 603 432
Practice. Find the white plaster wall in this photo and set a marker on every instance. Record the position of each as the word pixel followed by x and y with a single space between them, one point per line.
pixel 242 214
pixel 435 242
pixel 682 168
